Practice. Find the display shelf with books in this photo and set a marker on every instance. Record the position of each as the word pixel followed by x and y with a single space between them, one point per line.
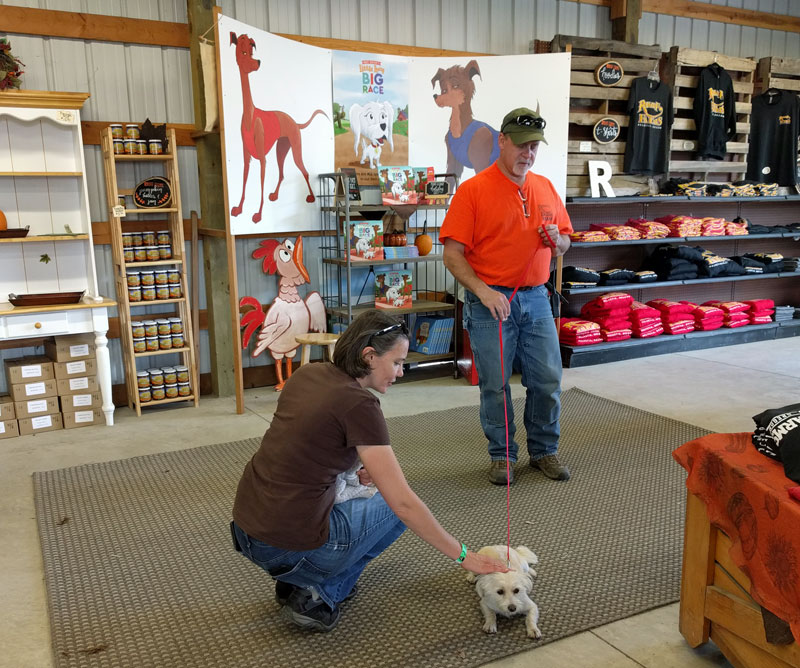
pixel 360 270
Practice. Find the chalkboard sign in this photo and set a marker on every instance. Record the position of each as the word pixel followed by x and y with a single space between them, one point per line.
pixel 437 189
pixel 152 193
pixel 605 130
pixel 609 73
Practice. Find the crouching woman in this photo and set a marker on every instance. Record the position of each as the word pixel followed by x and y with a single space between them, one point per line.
pixel 285 518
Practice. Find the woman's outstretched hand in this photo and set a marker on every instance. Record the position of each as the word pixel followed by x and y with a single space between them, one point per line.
pixel 481 564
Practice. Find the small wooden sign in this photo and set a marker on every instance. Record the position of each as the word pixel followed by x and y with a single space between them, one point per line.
pixel 349 183
pixel 153 193
pixel 605 130
pixel 609 73
pixel 437 191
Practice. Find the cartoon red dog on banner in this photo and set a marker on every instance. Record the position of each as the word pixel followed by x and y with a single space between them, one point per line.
pixel 261 130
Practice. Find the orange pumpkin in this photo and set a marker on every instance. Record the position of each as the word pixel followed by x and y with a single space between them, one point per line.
pixel 3 221
pixel 424 243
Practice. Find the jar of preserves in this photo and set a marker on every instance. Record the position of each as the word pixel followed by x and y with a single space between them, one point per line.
pixel 149 238
pixel 177 340
pixel 165 252
pixel 116 130
pixel 133 278
pixel 130 146
pixel 162 237
pixel 150 328
pixel 155 147
pixel 163 326
pixel 175 291
pixel 147 277
pixel 127 239
pixel 127 255
pixel 149 293
pixel 140 254
pixel 162 292
pixel 156 376
pixel 151 343
pixel 174 276
pixel 182 373
pixel 158 392
pixel 135 294
pixel 141 147
pixel 142 379
pixel 153 254
pixel 144 395
pixel 139 345
pixel 184 390
pixel 137 329
pixel 162 277
pixel 171 390
pixel 165 342
pixel 137 239
pixel 119 146
pixel 170 375
pixel 176 327
pixel 132 131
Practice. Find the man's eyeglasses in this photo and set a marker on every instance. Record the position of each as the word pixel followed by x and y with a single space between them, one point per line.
pixel 391 328
pixel 524 204
pixel 536 122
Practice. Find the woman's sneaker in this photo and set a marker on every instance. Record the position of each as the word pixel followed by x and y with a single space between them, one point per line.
pixel 283 590
pixel 303 610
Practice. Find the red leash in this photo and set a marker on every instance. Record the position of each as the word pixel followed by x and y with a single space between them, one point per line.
pixel 505 404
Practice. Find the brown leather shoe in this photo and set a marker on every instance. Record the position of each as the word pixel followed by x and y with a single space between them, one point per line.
pixel 551 467
pixel 498 474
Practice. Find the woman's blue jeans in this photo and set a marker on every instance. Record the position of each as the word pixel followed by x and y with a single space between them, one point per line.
pixel 530 340
pixel 360 529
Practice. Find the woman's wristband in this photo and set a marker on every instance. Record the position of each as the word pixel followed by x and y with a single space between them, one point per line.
pixel 463 554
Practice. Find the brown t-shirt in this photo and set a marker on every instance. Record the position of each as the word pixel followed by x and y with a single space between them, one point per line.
pixel 288 488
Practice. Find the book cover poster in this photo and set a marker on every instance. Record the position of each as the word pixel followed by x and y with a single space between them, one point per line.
pixel 457 104
pixel 276 106
pixel 370 112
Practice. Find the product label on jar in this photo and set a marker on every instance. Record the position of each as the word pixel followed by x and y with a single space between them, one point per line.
pixel 42 422
pixel 32 389
pixel 81 400
pixel 79 351
pixel 38 406
pixel 76 367
pixel 84 416
pixel 31 370
pixel 79 383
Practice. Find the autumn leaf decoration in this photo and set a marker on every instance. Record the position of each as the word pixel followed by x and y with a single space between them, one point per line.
pixel 9 66
pixel 45 258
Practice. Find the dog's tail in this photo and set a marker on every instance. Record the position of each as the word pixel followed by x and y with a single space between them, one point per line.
pixel 308 122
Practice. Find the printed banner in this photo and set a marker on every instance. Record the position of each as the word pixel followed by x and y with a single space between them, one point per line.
pixel 370 112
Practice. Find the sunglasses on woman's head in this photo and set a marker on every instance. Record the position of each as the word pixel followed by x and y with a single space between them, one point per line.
pixel 391 328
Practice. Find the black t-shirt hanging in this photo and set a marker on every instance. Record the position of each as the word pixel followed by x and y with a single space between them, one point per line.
pixel 650 115
pixel 774 128
pixel 714 112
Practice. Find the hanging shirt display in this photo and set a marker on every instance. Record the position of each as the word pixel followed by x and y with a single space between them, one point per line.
pixel 714 112
pixel 774 127
pixel 650 116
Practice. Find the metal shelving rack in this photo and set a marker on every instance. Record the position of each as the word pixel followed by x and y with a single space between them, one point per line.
pixel 346 295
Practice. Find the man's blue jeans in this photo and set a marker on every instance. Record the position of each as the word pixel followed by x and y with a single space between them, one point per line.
pixel 360 529
pixel 530 340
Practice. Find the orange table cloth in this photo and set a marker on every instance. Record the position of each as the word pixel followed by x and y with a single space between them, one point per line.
pixel 745 494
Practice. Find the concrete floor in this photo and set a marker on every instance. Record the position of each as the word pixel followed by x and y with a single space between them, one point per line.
pixel 718 389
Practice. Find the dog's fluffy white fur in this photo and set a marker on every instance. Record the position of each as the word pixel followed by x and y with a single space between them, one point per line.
pixel 508 594
pixel 371 125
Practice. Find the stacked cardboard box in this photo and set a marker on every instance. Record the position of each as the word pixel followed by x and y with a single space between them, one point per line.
pixel 33 390
pixel 75 372
pixel 8 423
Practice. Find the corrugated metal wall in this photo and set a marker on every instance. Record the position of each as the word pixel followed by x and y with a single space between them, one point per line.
pixel 131 83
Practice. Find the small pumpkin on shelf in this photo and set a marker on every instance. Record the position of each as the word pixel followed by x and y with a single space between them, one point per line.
pixel 3 221
pixel 423 242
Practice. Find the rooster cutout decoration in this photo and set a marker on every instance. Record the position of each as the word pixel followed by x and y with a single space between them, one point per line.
pixel 289 315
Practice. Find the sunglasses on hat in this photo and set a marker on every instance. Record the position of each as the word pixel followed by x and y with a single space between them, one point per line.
pixel 536 122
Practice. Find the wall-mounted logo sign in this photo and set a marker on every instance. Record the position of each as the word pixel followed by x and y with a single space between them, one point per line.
pixel 605 130
pixel 609 73
pixel 152 193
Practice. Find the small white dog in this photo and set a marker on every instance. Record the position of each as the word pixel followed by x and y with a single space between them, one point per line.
pixel 372 126
pixel 399 186
pixel 507 594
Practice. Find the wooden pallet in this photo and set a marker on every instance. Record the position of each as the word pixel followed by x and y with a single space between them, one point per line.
pixel 682 71
pixel 590 102
pixel 782 73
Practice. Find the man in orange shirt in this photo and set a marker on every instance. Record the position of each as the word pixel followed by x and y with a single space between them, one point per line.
pixel 502 229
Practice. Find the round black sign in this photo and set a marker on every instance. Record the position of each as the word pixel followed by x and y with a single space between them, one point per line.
pixel 609 73
pixel 152 193
pixel 605 130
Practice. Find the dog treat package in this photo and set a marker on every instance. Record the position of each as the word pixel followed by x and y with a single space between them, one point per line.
pixel 398 185
pixel 366 240
pixel 393 289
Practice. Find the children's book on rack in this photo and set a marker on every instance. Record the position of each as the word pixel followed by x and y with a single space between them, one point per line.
pixel 393 289
pixel 366 240
pixel 431 334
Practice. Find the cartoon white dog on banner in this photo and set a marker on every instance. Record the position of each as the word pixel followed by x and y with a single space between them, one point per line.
pixel 371 125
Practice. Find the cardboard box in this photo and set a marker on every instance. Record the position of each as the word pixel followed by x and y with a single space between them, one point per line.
pixel 36 407
pixel 8 429
pixel 75 419
pixel 87 367
pixel 70 347
pixel 81 402
pixel 7 411
pixel 82 385
pixel 40 424
pixel 28 369
pixel 38 390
